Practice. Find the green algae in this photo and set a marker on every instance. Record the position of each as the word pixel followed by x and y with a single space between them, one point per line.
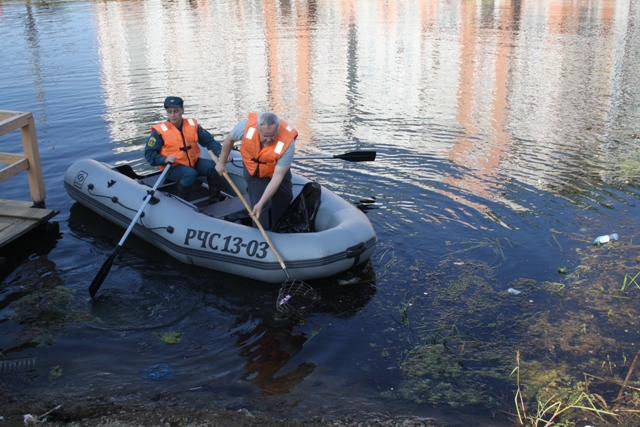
pixel 170 338
pixel 55 372
pixel 434 374
pixel 577 333
pixel 452 359
pixel 45 313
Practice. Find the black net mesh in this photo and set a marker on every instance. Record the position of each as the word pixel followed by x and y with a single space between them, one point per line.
pixel 296 297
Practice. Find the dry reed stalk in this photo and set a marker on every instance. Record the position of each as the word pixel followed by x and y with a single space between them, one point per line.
pixel 614 382
pixel 631 368
pixel 586 383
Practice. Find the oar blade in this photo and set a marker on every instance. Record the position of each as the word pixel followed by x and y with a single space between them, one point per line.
pixel 104 270
pixel 357 156
pixel 102 274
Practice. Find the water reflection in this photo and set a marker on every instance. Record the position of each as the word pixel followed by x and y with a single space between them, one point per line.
pixel 30 252
pixel 268 349
pixel 270 343
pixel 33 40
pixel 462 82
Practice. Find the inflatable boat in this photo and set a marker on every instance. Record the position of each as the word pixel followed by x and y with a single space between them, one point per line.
pixel 220 236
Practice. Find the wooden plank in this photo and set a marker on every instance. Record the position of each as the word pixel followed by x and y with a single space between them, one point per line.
pixel 8 158
pixel 13 120
pixel 14 169
pixel 16 229
pixel 16 203
pixel 4 115
pixel 5 223
pixel 19 217
pixel 31 213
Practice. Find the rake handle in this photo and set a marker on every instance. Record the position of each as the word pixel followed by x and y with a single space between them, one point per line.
pixel 246 205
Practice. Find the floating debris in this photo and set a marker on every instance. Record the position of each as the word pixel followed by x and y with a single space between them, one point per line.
pixel 158 372
pixel 513 291
pixel 32 420
pixel 22 363
pixel 604 239
pixel 351 281
pixel 169 337
pixel 55 373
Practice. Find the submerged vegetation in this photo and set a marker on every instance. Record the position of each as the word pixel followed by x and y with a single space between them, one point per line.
pixel 45 312
pixel 559 352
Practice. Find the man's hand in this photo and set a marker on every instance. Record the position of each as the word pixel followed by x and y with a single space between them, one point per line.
pixel 170 159
pixel 221 167
pixel 256 210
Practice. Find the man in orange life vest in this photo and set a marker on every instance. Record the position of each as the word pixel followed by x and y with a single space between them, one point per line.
pixel 268 144
pixel 176 141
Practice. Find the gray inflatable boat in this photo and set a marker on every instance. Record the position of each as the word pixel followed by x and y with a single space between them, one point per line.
pixel 215 236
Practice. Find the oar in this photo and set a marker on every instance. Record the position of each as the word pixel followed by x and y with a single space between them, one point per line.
pixel 352 156
pixel 104 270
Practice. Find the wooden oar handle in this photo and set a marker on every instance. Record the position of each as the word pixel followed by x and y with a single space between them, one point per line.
pixel 246 205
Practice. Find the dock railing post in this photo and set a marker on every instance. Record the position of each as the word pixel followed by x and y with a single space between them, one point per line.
pixel 30 160
pixel 31 152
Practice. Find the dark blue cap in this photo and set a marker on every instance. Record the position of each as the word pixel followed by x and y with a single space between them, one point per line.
pixel 173 101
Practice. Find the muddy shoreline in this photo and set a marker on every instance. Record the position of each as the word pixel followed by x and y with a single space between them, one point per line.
pixel 102 411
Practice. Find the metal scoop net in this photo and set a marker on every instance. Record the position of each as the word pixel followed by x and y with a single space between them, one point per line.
pixel 296 297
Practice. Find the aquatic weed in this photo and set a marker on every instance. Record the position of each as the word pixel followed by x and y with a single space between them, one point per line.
pixel 462 330
pixel 552 402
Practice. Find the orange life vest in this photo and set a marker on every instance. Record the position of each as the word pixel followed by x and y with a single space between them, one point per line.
pixel 261 161
pixel 183 145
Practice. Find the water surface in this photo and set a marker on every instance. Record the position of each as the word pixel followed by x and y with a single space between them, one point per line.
pixel 507 137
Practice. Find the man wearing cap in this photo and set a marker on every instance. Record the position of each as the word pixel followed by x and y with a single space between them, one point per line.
pixel 176 141
pixel 268 145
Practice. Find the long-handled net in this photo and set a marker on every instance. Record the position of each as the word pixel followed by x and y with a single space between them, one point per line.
pixel 296 297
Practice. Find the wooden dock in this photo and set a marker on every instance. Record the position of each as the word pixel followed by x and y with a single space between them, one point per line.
pixel 17 218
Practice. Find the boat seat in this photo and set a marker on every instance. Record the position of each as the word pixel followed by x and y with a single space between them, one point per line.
pixel 150 182
pixel 225 207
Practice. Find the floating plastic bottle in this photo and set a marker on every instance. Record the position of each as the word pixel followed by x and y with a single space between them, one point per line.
pixel 604 239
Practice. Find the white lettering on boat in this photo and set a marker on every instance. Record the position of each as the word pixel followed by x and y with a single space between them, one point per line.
pixel 231 244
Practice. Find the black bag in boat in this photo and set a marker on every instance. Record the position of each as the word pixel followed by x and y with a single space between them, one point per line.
pixel 300 216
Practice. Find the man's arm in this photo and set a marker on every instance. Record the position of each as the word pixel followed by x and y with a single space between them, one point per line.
pixel 227 145
pixel 272 187
pixel 152 150
pixel 208 141
pixel 236 134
